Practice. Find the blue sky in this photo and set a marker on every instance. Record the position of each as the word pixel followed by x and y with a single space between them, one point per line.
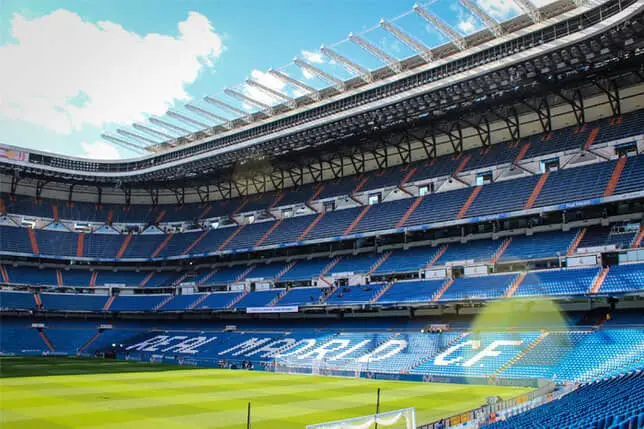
pixel 72 69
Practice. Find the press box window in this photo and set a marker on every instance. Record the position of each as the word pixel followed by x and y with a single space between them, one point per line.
pixel 626 149
pixel 484 178
pixel 374 199
pixel 551 164
pixel 425 189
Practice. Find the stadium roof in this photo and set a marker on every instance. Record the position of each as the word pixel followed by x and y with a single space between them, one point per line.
pixel 426 33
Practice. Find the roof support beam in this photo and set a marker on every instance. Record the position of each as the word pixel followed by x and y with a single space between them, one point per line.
pixel 246 99
pixel 337 83
pixel 391 62
pixel 123 143
pixel 348 64
pixel 185 119
pixel 441 26
pixel 311 92
pixel 273 93
pixel 152 131
pixel 129 134
pixel 418 46
pixel 530 9
pixel 244 115
pixel 169 126
pixel 205 113
pixel 491 23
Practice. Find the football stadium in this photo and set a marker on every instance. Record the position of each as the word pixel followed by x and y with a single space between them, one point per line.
pixel 450 235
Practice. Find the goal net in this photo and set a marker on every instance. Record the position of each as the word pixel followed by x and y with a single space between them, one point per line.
pixel 318 367
pixel 397 419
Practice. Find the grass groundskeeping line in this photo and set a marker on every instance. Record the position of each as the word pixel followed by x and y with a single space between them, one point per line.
pixel 80 393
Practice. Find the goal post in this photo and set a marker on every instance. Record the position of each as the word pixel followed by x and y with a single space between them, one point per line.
pixel 317 367
pixel 398 419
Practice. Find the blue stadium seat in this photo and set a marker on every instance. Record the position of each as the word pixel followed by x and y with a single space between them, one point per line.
pixel 72 302
pixel 17 300
pixel 306 269
pixel 411 291
pixel 609 403
pixel 539 246
pixel 259 298
pixel 624 278
pixel 479 250
pixel 484 287
pixel 557 282
pixel 137 302
pixel 347 295
pixel 409 260
pixel 302 296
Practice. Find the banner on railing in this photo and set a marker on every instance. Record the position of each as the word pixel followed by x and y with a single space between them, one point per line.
pixel 280 309
pixel 13 154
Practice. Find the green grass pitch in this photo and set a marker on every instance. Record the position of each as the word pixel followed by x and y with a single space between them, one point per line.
pixel 78 393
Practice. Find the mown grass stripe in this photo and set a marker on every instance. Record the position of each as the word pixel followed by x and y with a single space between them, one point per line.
pixel 110 395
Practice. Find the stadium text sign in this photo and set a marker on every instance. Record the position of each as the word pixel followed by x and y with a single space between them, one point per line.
pixel 489 351
pixel 466 353
pixel 177 344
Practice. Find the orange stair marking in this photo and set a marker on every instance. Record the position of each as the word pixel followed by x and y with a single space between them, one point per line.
pixel 536 191
pixel 268 232
pixel 469 202
pixel 617 173
pixel 162 245
pixel 356 220
pixel 310 227
pixel 34 243
pixel 80 245
pixel 195 242
pixel 123 248
pixel 591 138
pixel 409 211
pixel 231 237
pixel 522 152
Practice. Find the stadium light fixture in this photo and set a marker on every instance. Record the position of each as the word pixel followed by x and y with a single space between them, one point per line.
pixel 244 115
pixel 152 131
pixel 272 92
pixel 491 23
pixel 445 29
pixel 135 136
pixel 391 62
pixel 247 99
pixel 169 126
pixel 530 9
pixel 205 113
pixel 418 46
pixel 311 92
pixel 348 64
pixel 185 119
pixel 337 83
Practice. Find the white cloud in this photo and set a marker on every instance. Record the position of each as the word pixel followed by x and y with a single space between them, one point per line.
pixel 299 92
pixel 267 80
pixel 466 26
pixel 313 57
pixel 99 150
pixel 64 73
pixel 500 9
pixel 308 75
